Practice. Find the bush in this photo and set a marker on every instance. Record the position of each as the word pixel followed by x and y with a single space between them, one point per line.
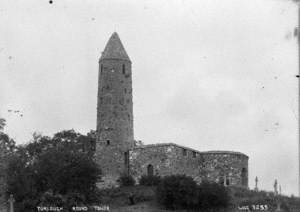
pixel 177 191
pixel 182 192
pixel 50 199
pixel 148 180
pixel 126 180
pixel 212 195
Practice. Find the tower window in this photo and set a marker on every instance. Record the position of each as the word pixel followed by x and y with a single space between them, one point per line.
pixel 107 142
pixel 126 158
pixel 101 68
pixel 123 68
pixel 227 181
pixel 184 152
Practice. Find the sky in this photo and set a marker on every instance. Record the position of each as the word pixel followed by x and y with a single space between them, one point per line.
pixel 209 74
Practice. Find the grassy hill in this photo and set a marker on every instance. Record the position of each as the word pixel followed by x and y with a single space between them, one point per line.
pixel 145 199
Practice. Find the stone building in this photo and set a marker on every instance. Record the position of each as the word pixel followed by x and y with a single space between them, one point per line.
pixel 116 152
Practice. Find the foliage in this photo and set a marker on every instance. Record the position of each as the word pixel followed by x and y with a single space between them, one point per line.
pixel 7 145
pixel 60 169
pixel 66 201
pixel 182 192
pixel 67 139
pixel 118 196
pixel 48 198
pixel 149 180
pixel 74 172
pixel 212 195
pixel 242 196
pixel 2 123
pixel 126 180
pixel 138 143
pixel 177 191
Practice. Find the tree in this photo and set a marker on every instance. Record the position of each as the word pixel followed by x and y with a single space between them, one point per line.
pixel 150 180
pixel 48 168
pixel 75 172
pixel 2 123
pixel 20 181
pixel 7 145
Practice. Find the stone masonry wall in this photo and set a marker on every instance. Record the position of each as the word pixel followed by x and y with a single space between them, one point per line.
pixel 115 151
pixel 168 159
pixel 231 166
pixel 114 116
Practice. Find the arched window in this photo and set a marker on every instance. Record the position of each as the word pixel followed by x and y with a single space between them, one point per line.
pixel 227 181
pixel 123 69
pixel 244 177
pixel 150 170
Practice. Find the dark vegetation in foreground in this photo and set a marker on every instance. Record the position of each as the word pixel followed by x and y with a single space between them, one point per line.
pixel 57 170
pixel 60 171
pixel 181 193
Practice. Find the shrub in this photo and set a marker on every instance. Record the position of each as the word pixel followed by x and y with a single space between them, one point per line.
pixel 126 180
pixel 50 199
pixel 149 180
pixel 177 191
pixel 182 192
pixel 212 195
pixel 74 199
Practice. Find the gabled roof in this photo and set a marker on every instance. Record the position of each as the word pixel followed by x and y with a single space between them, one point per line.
pixel 114 49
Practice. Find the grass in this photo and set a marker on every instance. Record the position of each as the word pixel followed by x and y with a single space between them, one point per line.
pixel 119 197
pixel 145 199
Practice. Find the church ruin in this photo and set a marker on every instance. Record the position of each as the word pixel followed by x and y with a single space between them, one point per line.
pixel 116 152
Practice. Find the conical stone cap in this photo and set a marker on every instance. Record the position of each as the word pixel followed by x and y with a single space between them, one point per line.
pixel 114 49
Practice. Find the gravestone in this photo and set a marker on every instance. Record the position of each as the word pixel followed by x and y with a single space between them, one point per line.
pixel 11 201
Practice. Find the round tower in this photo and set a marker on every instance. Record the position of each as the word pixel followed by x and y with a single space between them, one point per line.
pixel 114 110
